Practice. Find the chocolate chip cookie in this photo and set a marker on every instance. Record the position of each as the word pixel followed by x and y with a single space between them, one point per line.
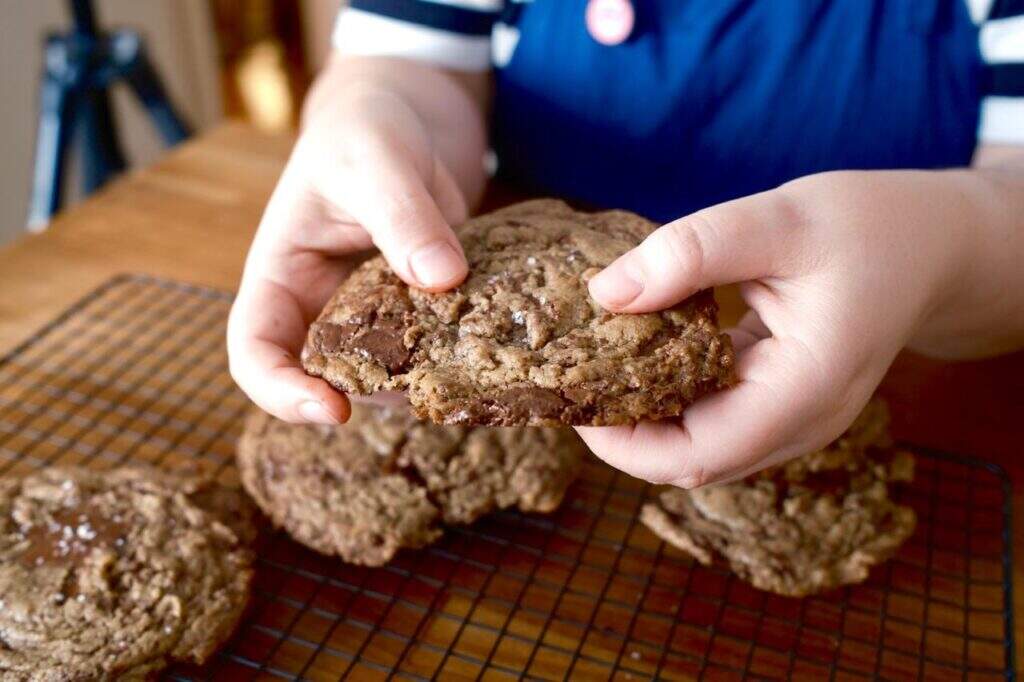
pixel 384 481
pixel 809 525
pixel 521 341
pixel 115 574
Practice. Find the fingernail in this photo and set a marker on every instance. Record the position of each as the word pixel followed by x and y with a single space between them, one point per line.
pixel 315 412
pixel 614 286
pixel 436 264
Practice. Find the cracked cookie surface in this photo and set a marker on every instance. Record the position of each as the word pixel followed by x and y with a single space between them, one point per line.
pixel 384 480
pixel 812 524
pixel 115 574
pixel 521 341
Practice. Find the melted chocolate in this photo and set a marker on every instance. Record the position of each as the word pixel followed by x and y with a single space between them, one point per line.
pixel 531 402
pixel 72 533
pixel 380 338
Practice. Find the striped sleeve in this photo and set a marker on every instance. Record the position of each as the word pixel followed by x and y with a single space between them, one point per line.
pixel 452 33
pixel 1001 43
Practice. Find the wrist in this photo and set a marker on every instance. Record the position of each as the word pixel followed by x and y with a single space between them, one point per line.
pixel 946 237
pixel 898 239
pixel 975 311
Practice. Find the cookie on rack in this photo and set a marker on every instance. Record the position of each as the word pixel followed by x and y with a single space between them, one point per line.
pixel 384 481
pixel 521 341
pixel 812 524
pixel 116 574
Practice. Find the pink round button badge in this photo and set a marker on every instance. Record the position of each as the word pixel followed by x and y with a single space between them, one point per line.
pixel 610 22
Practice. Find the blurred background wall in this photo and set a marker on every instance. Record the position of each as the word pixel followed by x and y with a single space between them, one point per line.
pixel 249 60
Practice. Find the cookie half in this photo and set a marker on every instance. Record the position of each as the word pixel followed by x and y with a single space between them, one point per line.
pixel 812 524
pixel 384 481
pixel 116 574
pixel 521 341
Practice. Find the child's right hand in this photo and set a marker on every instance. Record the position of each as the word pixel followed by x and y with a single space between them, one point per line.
pixel 371 169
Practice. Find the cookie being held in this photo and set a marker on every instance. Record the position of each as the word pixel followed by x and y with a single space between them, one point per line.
pixel 116 574
pixel 521 341
pixel 806 526
pixel 383 480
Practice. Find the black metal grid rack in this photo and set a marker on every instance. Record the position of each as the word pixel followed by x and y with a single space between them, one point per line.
pixel 137 371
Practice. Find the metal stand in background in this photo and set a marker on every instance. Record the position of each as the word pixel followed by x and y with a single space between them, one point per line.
pixel 79 68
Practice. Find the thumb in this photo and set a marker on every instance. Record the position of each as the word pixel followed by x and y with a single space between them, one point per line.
pixel 737 241
pixel 448 195
pixel 407 216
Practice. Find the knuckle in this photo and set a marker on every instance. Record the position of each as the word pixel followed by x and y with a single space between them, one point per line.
pixel 407 227
pixel 679 242
pixel 800 187
pixel 359 150
pixel 312 149
pixel 349 149
pixel 694 477
pixel 803 201
pixel 679 474
pixel 660 477
pixel 790 210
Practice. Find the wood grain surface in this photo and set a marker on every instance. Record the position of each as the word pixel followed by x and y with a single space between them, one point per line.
pixel 191 216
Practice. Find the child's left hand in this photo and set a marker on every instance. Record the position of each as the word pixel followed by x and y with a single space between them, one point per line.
pixel 841 270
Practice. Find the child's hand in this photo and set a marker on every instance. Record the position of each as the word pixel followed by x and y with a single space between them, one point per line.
pixel 841 271
pixel 369 170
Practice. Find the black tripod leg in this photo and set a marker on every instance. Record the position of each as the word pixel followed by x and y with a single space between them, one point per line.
pixel 56 120
pixel 145 83
pixel 101 154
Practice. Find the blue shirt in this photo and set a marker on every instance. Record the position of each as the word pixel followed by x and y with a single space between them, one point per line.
pixel 709 101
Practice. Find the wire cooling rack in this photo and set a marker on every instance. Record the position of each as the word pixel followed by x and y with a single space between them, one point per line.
pixel 136 371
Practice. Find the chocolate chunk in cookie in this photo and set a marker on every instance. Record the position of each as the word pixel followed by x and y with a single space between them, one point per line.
pixel 116 574
pixel 521 341
pixel 812 524
pixel 384 481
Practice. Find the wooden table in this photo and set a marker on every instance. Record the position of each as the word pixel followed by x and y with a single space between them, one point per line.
pixel 191 216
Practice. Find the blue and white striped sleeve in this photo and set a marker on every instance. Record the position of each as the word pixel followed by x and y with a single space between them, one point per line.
pixel 452 33
pixel 1001 42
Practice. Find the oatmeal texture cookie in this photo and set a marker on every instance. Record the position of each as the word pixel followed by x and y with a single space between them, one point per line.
pixel 116 574
pixel 812 524
pixel 521 341
pixel 384 481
